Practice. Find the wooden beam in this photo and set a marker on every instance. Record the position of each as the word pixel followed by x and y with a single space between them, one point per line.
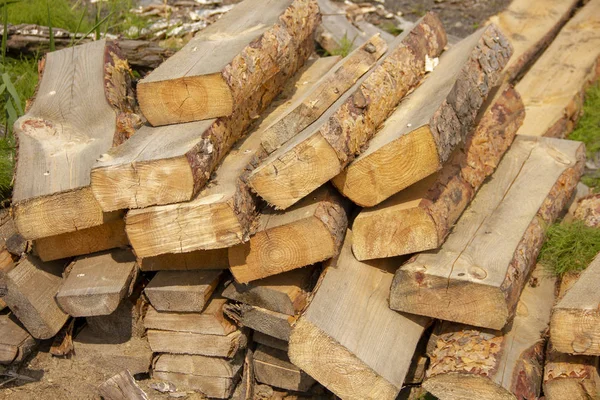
pixel 96 284
pixel 269 341
pixel 554 88
pixel 322 150
pixel 273 367
pixel 197 343
pixel 348 338
pixel 307 233
pixel 199 259
pixel 122 387
pixel 215 377
pixel 15 342
pixel 484 364
pixel 223 213
pixel 246 47
pixel 285 293
pixel 83 106
pixel 430 123
pixel 465 280
pixel 266 321
pixel 182 291
pixel 420 217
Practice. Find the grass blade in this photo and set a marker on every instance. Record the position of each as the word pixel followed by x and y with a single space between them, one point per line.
pixel 83 14
pixel 52 45
pixel 13 92
pixel 12 113
pixel 94 28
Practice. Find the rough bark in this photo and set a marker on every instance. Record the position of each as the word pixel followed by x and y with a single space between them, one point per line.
pixel 588 211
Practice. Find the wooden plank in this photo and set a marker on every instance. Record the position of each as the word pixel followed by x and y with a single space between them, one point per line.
pixel 108 235
pixel 266 321
pixel 430 123
pixel 484 364
pixel 531 25
pixel 553 89
pixel 306 110
pixel 273 367
pixel 81 109
pixel 15 342
pixel 270 341
pixel 223 213
pixel 32 285
pixel 322 150
pixel 420 217
pixel 349 339
pixel 197 343
pixel 211 321
pixel 283 293
pixel 182 291
pixel 575 325
pixel 477 275
pixel 97 284
pixel 122 387
pixel 199 259
pixel 258 33
pixel 307 233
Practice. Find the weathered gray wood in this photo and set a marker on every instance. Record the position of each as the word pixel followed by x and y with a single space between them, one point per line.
pixel 122 387
pixel 268 322
pixel 183 291
pixel 15 342
pixel 270 341
pixel 273 367
pixel 199 259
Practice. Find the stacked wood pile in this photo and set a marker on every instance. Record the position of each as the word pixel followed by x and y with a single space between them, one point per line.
pixel 192 223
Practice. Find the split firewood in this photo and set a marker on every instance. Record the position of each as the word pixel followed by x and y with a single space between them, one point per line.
pixel 307 109
pixel 262 320
pixel 430 123
pixel 222 214
pixel 307 233
pixel 285 293
pixel 182 291
pixel 476 363
pixel 270 341
pixel 420 217
pixel 553 89
pixel 366 363
pixel 476 276
pixel 199 259
pixel 323 149
pixel 31 286
pixel 197 343
pixel 215 377
pixel 83 106
pixel 273 367
pixel 244 48
pixel 588 210
pixel 122 387
pixel 109 235
pixel 97 283
pixel 15 342
pixel 531 25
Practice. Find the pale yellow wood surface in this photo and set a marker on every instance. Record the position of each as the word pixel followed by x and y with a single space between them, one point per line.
pixel 197 343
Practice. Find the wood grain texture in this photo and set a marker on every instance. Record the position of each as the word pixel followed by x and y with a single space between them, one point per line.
pixel 83 106
pixel 553 89
pixel 348 338
pixel 122 387
pixel 15 342
pixel 197 343
pixel 484 364
pixel 273 367
pixel 323 149
pixel 476 276
pixel 266 321
pixel 269 341
pixel 307 233
pixel 182 291
pixel 245 48
pixel 222 214
pixel 199 259
pixel 430 123
pixel 420 217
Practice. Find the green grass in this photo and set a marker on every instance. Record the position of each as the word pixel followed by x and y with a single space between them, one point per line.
pixel 65 14
pixel 391 28
pixel 345 47
pixel 569 247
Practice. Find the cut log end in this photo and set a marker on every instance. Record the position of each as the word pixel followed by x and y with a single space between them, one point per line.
pixel 575 331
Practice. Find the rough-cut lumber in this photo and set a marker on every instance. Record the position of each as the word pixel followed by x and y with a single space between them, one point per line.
pixel 124 323
pixel 108 235
pixel 307 233
pixel 531 25
pixel 82 107
pixel 349 339
pixel 215 377
pixel 199 259
pixel 197 343
pixel 477 275
pixel 554 88
pixel 420 217
pixel 483 364
pixel 262 320
pixel 430 123
pixel 222 214
pixel 575 326
pixel 211 321
pixel 182 291
pixel 323 149
pixel 122 387
pixel 284 293
pixel 31 286
pixel 225 63
pixel 15 342
pixel 270 341
pixel 307 109
pixel 273 367
pixel 588 210
pixel 96 284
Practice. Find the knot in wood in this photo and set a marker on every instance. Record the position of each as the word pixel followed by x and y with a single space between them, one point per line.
pixel 370 48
